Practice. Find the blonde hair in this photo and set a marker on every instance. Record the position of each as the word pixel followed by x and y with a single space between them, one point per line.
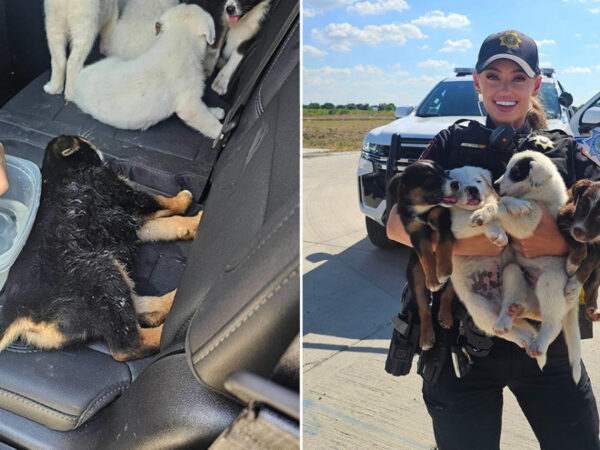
pixel 536 115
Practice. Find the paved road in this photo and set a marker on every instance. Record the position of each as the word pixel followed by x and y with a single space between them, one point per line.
pixel 351 290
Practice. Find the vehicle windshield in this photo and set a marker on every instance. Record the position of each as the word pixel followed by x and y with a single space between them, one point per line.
pixel 451 98
pixel 458 98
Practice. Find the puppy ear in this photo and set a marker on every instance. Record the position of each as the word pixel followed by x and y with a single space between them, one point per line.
pixel 487 176
pixel 579 188
pixel 393 189
pixel 537 174
pixel 208 30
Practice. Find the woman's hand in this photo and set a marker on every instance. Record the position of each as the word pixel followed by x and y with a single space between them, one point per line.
pixel 546 240
pixel 3 175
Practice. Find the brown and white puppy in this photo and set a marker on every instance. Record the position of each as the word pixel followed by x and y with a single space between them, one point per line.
pixel 423 192
pixel 579 222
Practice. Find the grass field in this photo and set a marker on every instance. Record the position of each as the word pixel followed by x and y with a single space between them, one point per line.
pixel 339 133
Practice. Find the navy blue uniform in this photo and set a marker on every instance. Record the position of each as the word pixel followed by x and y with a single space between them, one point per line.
pixel 467 412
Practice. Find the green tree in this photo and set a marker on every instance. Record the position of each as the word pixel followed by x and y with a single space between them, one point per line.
pixel 351 106
pixel 328 106
pixel 314 106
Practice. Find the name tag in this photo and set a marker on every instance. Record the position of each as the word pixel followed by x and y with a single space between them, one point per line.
pixel 470 145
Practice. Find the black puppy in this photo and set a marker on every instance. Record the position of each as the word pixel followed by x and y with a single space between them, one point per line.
pixel 237 23
pixel 423 193
pixel 70 282
pixel 579 223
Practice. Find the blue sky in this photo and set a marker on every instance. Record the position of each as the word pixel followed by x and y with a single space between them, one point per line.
pixel 394 51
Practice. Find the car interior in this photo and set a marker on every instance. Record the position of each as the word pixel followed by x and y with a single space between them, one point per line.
pixel 227 373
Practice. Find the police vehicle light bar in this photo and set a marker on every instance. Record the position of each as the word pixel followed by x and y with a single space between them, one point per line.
pixel 463 71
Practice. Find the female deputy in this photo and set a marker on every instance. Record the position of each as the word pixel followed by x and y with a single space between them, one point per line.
pixel 467 411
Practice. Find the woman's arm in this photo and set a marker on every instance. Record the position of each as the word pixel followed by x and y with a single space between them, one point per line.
pixel 478 245
pixel 3 175
pixel 546 240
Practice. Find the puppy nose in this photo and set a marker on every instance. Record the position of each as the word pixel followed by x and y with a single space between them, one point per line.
pixel 472 191
pixel 230 9
pixel 578 232
pixel 454 185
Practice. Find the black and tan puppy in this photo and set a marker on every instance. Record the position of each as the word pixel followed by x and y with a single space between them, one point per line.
pixel 423 193
pixel 71 281
pixel 579 222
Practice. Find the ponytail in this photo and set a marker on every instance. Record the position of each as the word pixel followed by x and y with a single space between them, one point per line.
pixel 536 116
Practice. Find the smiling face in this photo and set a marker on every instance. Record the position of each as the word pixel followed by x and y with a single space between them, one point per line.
pixel 506 92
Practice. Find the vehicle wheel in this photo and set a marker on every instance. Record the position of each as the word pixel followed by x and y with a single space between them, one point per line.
pixel 377 235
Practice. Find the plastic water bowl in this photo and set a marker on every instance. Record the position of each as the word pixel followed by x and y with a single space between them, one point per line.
pixel 18 207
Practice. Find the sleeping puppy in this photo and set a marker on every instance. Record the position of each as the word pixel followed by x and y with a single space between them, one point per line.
pixel 71 281
pixel 137 93
pixel 477 279
pixel 423 191
pixel 579 223
pixel 135 32
pixel 531 176
pixel 240 21
pixel 75 23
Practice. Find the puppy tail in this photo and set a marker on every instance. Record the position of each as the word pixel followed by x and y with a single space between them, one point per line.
pixel 9 332
pixel 573 340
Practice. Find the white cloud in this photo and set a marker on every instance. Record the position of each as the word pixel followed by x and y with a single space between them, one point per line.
pixel 545 64
pixel 324 5
pixel 313 51
pixel 367 70
pixel 424 47
pixel 307 12
pixel 545 42
pixel 597 67
pixel 378 7
pixel 577 70
pixel 435 64
pixel 343 36
pixel 461 45
pixel 594 10
pixel 423 80
pixel 577 35
pixel 437 19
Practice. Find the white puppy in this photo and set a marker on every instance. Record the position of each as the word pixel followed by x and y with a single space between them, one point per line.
pixel 167 79
pixel 531 176
pixel 135 33
pixel 77 22
pixel 477 280
pixel 241 20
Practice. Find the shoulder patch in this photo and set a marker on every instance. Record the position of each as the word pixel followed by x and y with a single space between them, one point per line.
pixel 591 146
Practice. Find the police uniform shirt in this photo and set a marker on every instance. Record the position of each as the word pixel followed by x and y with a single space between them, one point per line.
pixel 468 145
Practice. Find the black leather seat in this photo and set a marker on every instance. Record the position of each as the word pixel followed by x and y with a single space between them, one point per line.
pixel 237 306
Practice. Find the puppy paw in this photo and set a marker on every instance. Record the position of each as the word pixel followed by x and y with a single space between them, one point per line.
pixel 445 319
pixel 499 239
pixel 53 89
pixel 593 314
pixel 572 267
pixel 220 83
pixel 572 289
pixel 427 338
pixel 503 324
pixel 516 206
pixel 480 217
pixel 536 349
pixel 219 113
pixel 69 93
pixel 434 285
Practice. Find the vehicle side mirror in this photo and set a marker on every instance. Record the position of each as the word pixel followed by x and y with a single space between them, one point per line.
pixel 402 111
pixel 565 99
pixel 591 118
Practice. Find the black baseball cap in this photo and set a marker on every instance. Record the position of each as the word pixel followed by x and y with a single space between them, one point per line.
pixel 511 45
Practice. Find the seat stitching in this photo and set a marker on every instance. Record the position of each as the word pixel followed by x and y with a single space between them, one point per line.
pixel 34 404
pixel 88 412
pixel 246 317
pixel 259 98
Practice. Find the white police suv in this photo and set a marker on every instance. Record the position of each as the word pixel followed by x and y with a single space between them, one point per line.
pixel 450 100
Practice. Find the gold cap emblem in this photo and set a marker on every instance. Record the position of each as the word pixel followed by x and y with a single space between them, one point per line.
pixel 510 40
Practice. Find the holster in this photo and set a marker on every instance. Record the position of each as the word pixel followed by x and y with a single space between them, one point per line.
pixel 405 339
